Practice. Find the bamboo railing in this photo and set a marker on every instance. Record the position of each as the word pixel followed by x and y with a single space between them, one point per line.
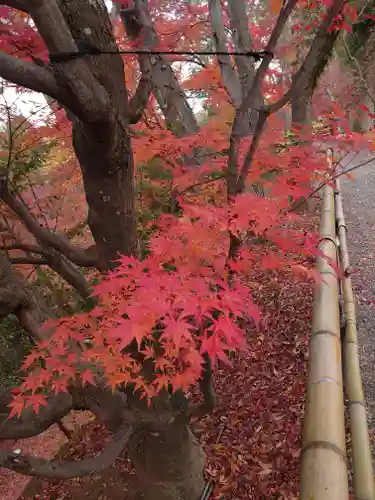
pixel 363 474
pixel 324 472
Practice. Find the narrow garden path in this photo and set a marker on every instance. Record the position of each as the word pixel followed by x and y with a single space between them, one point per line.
pixel 359 208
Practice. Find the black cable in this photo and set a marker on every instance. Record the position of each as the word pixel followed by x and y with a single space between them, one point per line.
pixel 207 490
pixel 90 50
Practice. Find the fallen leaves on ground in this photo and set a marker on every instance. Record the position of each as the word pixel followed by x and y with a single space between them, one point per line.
pixel 260 400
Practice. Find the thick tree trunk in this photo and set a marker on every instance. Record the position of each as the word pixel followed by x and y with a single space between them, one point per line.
pixel 104 148
pixel 107 167
pixel 168 461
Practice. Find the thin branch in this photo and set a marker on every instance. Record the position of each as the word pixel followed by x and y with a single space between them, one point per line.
pixel 25 247
pixel 56 261
pixel 251 98
pixel 36 200
pixel 240 184
pixel 322 43
pixel 270 49
pixel 202 183
pixel 68 272
pixel 363 9
pixel 42 235
pixel 10 135
pixel 330 179
pixel 64 469
pixel 38 261
pixel 354 60
pixel 20 125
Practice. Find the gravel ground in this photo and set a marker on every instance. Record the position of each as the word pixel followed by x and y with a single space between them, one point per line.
pixel 359 208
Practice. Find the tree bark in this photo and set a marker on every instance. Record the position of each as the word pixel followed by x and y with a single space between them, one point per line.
pixel 167 90
pixel 168 462
pixel 103 148
pixel 18 297
pixel 301 110
pixel 108 175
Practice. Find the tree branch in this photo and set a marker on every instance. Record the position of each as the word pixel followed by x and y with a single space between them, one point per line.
pixel 323 42
pixel 66 270
pixel 239 23
pixel 77 89
pixel 230 77
pixel 36 261
pixel 64 469
pixel 18 297
pixel 166 88
pixel 25 247
pixel 240 184
pixel 16 4
pixel 358 68
pixel 42 235
pixel 321 45
pixel 55 260
pixel 29 424
pixel 263 68
pixel 138 102
pixel 29 75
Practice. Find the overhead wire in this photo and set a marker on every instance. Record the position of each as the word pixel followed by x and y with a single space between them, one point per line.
pixel 86 49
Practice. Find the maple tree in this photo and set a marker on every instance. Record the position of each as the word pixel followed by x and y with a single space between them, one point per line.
pixel 158 323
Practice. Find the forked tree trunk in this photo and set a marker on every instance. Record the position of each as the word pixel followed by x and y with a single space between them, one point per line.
pixel 170 96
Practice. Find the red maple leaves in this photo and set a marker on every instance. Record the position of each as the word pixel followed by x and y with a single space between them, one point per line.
pixel 176 305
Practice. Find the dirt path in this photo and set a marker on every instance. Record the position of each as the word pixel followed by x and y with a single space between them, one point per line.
pixel 359 207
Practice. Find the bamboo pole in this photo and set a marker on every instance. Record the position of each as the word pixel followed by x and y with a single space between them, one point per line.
pixel 323 458
pixel 363 474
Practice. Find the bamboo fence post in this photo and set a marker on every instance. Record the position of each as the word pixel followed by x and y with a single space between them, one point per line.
pixel 324 473
pixel 363 474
